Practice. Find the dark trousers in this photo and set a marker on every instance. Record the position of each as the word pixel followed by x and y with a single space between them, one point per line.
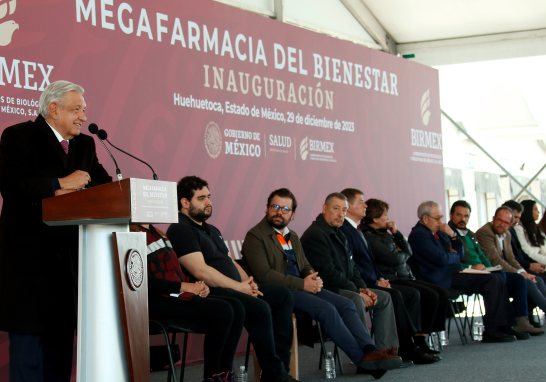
pixel 539 275
pixel 407 310
pixel 338 316
pixel 221 319
pixel 268 320
pixel 498 310
pixel 41 358
pixel 517 289
pixel 536 294
pixel 434 303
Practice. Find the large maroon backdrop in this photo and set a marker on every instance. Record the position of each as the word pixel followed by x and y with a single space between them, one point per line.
pixel 246 102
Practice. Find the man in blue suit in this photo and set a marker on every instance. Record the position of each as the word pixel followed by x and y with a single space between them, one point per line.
pixel 405 300
pixel 438 252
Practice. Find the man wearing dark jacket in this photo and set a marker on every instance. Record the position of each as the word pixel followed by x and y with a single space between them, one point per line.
pixel 273 254
pixel 328 251
pixel 438 253
pixel 406 299
pixel 482 250
pixel 38 263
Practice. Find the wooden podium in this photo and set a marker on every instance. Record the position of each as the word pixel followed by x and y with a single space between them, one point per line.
pixel 113 341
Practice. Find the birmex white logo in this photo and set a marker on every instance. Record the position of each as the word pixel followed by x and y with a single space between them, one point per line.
pixel 425 104
pixel 7 27
pixel 304 146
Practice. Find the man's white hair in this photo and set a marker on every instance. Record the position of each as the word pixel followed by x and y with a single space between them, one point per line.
pixel 55 93
pixel 426 207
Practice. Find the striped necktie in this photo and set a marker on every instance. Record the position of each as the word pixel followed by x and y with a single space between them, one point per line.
pixel 64 143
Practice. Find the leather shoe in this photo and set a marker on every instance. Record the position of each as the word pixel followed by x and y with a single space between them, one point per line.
pixel 419 357
pixel 497 336
pixel 519 335
pixel 423 345
pixel 391 351
pixel 533 322
pixel 380 360
pixel 428 350
pixel 523 326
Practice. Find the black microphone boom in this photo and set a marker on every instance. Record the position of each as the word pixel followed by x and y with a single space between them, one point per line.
pixel 103 135
pixel 93 129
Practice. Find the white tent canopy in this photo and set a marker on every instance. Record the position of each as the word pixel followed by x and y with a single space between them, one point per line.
pixel 436 32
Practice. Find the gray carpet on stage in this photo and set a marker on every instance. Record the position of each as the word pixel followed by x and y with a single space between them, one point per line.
pixel 475 362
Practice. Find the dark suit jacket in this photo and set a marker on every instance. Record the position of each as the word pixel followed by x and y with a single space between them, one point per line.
pixel 520 256
pixel 328 252
pixel 265 259
pixel 38 263
pixel 362 254
pixel 436 263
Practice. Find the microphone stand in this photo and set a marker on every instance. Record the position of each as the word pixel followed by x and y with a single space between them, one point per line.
pixel 132 156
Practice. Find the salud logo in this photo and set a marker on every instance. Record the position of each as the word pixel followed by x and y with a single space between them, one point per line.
pixel 304 148
pixel 425 104
pixel 213 139
pixel 7 27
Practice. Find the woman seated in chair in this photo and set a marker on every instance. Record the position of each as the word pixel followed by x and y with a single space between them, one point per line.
pixel 172 297
pixel 391 251
pixel 531 238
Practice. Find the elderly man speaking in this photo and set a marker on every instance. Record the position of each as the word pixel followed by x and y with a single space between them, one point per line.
pixel 38 264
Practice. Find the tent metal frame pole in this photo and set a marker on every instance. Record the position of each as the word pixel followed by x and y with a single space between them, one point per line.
pixel 523 188
pixel 530 182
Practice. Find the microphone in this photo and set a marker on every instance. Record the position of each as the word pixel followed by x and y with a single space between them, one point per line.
pixel 93 129
pixel 103 135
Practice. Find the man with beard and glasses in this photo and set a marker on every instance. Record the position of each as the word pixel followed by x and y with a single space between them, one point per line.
pixel 438 251
pixel 274 255
pixel 495 242
pixel 476 258
pixel 204 256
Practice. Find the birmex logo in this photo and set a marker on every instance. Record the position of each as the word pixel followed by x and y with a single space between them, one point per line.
pixel 304 148
pixel 425 104
pixel 7 27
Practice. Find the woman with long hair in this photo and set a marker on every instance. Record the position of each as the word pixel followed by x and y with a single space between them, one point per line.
pixel 542 224
pixel 529 234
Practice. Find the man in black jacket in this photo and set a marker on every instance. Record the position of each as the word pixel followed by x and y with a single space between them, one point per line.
pixel 327 249
pixel 38 263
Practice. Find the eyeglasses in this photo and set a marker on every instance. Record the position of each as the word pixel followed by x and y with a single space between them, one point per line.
pixel 276 208
pixel 438 218
pixel 503 222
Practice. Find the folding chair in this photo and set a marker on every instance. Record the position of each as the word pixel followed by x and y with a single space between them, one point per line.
pixel 173 327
